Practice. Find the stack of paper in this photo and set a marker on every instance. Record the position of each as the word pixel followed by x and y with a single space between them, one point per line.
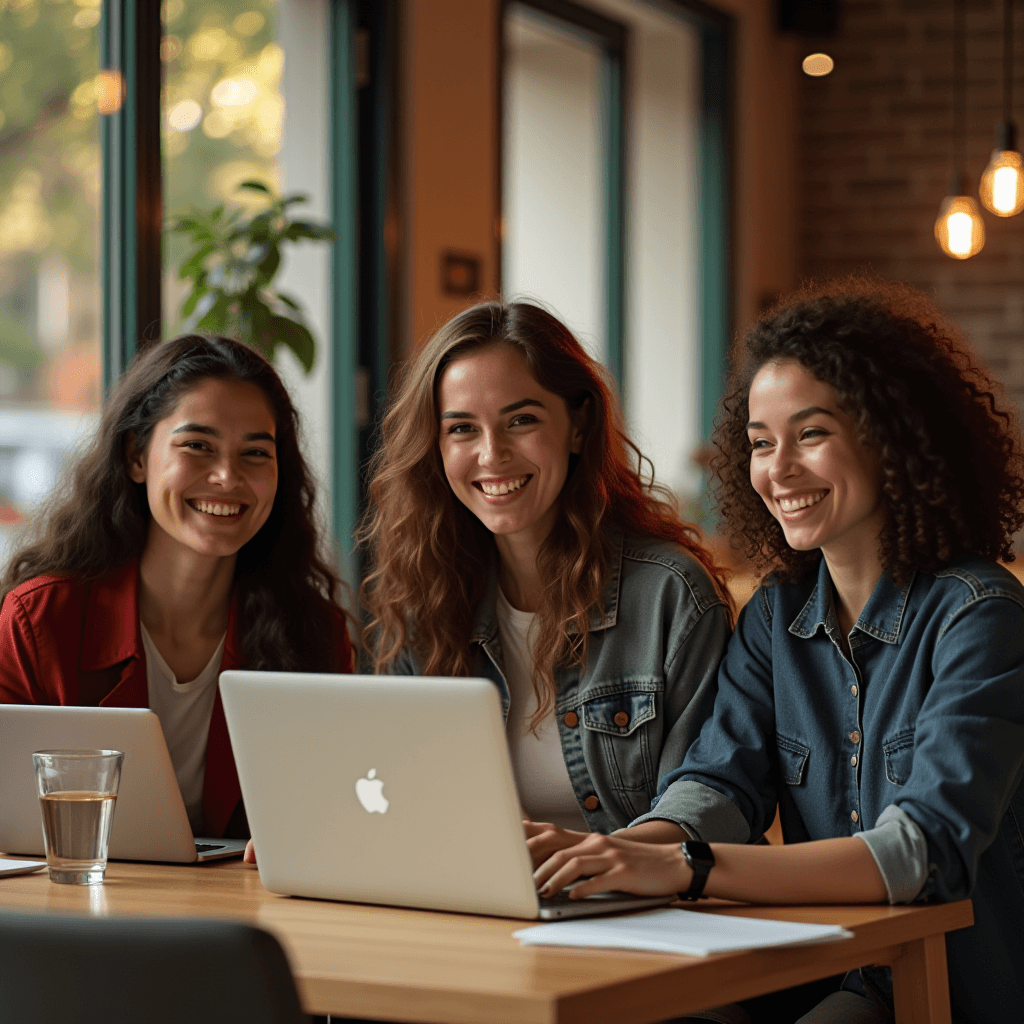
pixel 679 931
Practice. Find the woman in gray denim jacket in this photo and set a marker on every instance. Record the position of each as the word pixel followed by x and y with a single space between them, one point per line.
pixel 505 480
pixel 627 717
pixel 874 687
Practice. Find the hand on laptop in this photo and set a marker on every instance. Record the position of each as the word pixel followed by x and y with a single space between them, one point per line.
pixel 610 863
pixel 249 857
pixel 543 839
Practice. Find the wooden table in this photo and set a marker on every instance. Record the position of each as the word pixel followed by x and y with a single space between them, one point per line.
pixel 414 965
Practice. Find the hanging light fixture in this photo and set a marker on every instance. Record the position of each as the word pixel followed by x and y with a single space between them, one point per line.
pixel 1002 185
pixel 959 229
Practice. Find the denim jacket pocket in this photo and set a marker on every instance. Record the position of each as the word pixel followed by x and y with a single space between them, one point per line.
pixel 618 714
pixel 899 756
pixel 792 759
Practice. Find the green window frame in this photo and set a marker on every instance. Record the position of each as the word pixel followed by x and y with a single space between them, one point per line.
pixel 132 184
pixel 345 279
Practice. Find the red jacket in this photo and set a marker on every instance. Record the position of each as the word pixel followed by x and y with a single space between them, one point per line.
pixel 67 642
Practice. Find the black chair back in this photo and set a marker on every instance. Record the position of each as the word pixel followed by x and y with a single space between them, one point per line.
pixel 78 970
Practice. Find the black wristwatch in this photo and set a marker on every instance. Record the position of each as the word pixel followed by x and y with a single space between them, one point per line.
pixel 701 860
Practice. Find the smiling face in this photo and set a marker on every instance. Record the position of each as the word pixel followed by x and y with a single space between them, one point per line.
pixel 210 468
pixel 505 443
pixel 808 465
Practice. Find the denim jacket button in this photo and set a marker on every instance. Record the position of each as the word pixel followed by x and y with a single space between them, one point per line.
pixel 854 817
pixel 621 719
pixel 591 803
pixel 571 720
pixel 855 737
pixel 853 689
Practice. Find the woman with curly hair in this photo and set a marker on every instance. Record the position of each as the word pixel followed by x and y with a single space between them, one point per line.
pixel 511 536
pixel 184 542
pixel 874 688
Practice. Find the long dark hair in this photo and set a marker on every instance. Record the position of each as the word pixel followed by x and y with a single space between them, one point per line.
pixel 430 554
pixel 98 519
pixel 950 457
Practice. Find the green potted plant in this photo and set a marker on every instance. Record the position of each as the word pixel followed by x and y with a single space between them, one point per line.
pixel 232 267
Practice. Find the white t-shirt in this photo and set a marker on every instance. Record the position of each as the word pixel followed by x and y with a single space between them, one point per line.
pixel 542 779
pixel 184 710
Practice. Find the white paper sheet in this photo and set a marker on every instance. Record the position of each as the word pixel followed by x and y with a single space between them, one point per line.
pixel 679 931
pixel 9 866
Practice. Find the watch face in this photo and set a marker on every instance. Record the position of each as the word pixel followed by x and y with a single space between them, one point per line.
pixel 697 852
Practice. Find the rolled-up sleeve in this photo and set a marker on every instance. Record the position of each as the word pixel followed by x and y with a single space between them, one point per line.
pixel 900 851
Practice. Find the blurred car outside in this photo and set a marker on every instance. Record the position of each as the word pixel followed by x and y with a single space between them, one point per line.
pixel 35 445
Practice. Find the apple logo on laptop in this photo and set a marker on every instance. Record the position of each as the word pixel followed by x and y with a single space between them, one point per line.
pixel 369 792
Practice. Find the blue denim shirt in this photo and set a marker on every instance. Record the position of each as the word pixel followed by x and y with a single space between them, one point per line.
pixel 923 728
pixel 653 654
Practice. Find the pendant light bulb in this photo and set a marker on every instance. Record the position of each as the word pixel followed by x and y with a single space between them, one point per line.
pixel 959 229
pixel 1002 185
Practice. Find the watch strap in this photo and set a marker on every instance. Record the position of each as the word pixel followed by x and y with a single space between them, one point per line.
pixel 701 860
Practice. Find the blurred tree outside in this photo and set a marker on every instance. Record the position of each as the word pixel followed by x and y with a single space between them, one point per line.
pixel 49 197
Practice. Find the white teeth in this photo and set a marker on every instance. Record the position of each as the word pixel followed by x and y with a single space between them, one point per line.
pixel 495 490
pixel 216 508
pixel 792 504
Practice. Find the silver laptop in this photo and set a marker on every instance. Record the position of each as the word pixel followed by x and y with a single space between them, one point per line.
pixel 150 821
pixel 387 789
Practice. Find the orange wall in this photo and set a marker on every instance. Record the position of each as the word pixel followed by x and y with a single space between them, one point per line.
pixel 765 197
pixel 448 112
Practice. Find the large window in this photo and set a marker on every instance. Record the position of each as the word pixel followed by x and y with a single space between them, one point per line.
pixel 51 94
pixel 603 186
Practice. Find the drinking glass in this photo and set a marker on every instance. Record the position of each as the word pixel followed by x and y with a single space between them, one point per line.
pixel 77 790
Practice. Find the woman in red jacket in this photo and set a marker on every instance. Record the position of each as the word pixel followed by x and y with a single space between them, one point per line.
pixel 183 542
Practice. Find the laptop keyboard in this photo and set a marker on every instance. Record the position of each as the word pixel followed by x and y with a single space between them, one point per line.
pixel 563 899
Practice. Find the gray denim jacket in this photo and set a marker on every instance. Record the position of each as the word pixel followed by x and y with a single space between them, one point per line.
pixel 653 657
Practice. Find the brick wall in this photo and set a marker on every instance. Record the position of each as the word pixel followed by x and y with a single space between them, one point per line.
pixel 876 145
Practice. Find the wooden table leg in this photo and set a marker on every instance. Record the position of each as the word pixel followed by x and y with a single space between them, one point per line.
pixel 921 982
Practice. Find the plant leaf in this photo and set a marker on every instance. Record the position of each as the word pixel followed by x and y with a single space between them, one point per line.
pixel 205 302
pixel 184 223
pixel 288 301
pixel 267 267
pixel 194 264
pixel 307 229
pixel 296 337
pixel 218 318
pixel 199 289
pixel 255 186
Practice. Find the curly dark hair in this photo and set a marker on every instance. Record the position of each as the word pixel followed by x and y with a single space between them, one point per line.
pixel 98 519
pixel 950 455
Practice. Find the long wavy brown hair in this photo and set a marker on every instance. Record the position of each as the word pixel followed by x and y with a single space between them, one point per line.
pixel 950 453
pixel 287 594
pixel 431 557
